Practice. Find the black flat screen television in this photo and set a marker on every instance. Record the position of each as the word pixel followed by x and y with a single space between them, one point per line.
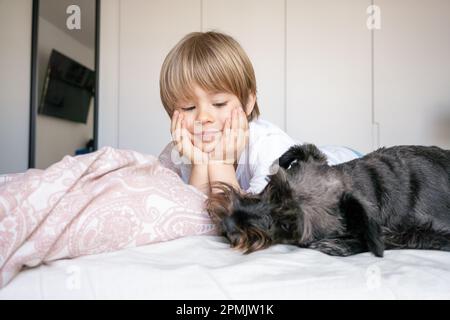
pixel 68 89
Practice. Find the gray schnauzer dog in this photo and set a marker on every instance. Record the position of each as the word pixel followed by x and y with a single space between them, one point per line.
pixel 392 198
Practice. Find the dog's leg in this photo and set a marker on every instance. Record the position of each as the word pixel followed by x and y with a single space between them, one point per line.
pixel 359 215
pixel 339 247
pixel 420 237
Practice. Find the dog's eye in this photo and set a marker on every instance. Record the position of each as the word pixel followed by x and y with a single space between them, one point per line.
pixel 292 164
pixel 285 227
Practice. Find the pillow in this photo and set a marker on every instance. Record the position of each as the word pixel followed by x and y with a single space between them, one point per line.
pixel 94 203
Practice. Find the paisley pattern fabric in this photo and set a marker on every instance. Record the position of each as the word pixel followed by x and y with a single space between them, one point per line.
pixel 94 203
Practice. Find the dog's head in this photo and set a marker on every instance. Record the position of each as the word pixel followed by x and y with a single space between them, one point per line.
pixel 243 218
pixel 277 214
pixel 302 202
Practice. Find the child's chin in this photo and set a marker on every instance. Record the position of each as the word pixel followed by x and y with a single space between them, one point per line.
pixel 207 147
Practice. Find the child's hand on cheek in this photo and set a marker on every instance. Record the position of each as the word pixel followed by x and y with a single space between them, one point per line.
pixel 183 141
pixel 234 139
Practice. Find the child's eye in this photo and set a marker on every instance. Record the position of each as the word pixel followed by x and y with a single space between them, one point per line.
pixel 189 108
pixel 220 104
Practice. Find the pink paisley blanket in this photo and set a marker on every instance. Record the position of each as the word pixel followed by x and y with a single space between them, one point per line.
pixel 103 201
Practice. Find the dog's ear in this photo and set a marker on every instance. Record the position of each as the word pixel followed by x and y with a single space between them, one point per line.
pixel 220 204
pixel 278 189
pixel 359 215
pixel 301 153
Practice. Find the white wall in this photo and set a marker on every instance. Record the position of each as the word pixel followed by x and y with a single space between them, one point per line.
pixel 329 73
pixel 15 57
pixel 259 26
pixel 321 83
pixel 412 72
pixel 108 91
pixel 148 29
pixel 320 76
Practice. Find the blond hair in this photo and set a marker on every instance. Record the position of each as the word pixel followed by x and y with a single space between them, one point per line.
pixel 215 62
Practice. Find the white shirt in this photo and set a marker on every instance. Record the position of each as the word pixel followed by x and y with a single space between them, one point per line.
pixel 267 142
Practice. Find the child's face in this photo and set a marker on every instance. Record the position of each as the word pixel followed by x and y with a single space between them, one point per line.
pixel 205 116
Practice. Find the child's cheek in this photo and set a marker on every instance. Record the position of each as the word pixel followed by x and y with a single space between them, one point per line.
pixel 189 125
pixel 227 115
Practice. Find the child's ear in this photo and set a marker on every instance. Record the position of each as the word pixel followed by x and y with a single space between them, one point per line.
pixel 251 101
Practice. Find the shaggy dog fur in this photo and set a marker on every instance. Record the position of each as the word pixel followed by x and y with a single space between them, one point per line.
pixel 395 197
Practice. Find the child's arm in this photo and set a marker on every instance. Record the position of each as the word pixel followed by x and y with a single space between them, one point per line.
pixel 224 173
pixel 199 174
pixel 200 177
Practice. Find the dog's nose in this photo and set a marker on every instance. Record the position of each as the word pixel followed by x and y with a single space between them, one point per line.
pixel 229 224
pixel 233 238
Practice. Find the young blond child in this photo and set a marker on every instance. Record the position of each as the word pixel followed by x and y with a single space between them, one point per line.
pixel 208 88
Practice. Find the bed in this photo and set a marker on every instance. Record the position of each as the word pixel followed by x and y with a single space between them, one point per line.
pixel 205 267
pixel 116 224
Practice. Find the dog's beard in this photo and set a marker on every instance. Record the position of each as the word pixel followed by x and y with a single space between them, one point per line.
pixel 252 239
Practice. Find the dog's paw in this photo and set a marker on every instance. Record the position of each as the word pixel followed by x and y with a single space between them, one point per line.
pixel 338 247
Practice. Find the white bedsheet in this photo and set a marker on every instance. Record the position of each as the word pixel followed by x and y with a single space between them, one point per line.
pixel 204 267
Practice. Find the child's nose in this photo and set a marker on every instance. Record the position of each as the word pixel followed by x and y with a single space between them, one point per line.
pixel 204 116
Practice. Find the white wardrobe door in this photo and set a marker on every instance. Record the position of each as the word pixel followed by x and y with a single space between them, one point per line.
pixel 329 73
pixel 108 108
pixel 258 25
pixel 412 72
pixel 148 30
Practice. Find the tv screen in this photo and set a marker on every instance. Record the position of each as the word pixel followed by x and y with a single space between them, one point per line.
pixel 68 89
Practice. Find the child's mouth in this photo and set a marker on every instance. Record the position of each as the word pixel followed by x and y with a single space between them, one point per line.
pixel 207 136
